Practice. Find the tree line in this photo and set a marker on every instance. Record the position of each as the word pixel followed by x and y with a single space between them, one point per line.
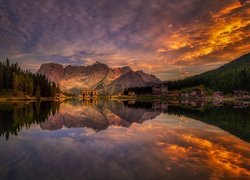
pixel 17 81
pixel 138 90
pixel 232 76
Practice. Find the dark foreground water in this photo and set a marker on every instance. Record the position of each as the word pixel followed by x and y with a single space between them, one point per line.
pixel 123 140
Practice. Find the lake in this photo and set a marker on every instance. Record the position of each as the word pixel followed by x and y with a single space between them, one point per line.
pixel 124 140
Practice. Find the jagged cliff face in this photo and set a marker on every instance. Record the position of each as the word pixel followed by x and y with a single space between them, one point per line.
pixel 107 80
pixel 132 79
pixel 54 72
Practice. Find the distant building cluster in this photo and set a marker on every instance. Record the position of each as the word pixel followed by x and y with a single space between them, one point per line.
pixel 240 94
pixel 196 93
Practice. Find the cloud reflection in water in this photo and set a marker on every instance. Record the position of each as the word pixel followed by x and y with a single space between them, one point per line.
pixel 169 147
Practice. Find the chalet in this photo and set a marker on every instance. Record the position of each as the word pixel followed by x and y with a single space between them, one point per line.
pixel 160 89
pixel 184 95
pixel 218 94
pixel 240 94
pixel 197 93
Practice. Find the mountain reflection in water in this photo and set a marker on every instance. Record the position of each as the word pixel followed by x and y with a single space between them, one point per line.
pixel 102 114
pixel 97 116
pixel 123 140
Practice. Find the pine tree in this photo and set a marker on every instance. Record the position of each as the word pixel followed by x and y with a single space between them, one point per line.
pixel 29 84
pixel 14 79
pixel 38 93
pixel 53 90
pixel 1 76
pixel 16 82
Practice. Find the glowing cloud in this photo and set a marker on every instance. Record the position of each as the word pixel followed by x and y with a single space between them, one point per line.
pixel 166 35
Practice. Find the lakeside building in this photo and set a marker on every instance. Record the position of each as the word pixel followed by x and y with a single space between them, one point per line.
pixel 160 89
pixel 218 94
pixel 184 95
pixel 89 93
pixel 197 93
pixel 240 94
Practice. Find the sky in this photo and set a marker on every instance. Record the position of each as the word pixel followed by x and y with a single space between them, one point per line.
pixel 168 38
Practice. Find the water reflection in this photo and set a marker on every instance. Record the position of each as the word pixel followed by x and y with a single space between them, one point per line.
pixel 98 116
pixel 17 115
pixel 102 114
pixel 226 117
pixel 91 140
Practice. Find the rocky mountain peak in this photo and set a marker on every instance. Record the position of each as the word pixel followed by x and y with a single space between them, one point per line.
pixel 98 75
pixel 53 71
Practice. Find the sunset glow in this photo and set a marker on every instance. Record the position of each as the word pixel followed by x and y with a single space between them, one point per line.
pixel 159 37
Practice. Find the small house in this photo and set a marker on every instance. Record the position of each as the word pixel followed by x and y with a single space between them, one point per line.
pixel 184 95
pixel 197 93
pixel 218 94
pixel 240 94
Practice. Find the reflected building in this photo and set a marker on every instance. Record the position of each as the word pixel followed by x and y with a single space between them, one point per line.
pixel 160 89
pixel 89 93
pixel 160 106
pixel 89 102
pixel 196 103
pixel 99 115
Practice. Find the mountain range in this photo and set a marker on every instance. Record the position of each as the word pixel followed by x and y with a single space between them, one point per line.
pixel 106 80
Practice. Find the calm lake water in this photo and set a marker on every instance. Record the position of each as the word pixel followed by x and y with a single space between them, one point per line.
pixel 123 140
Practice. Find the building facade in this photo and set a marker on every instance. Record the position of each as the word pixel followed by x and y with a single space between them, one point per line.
pixel 89 93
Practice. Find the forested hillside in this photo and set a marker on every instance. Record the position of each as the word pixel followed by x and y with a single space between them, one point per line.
pixel 234 75
pixel 16 82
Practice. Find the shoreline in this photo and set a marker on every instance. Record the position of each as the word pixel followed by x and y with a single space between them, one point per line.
pixel 28 98
pixel 124 97
pixel 207 98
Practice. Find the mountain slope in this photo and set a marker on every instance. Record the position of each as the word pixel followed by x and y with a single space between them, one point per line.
pixel 107 80
pixel 233 75
pixel 132 79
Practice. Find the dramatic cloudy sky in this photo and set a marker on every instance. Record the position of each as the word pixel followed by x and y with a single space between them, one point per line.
pixel 171 39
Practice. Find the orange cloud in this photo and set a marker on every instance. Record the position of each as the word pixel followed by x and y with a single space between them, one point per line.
pixel 226 28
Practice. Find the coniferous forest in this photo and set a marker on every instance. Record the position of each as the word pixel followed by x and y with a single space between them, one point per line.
pixel 17 82
pixel 138 90
pixel 232 76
